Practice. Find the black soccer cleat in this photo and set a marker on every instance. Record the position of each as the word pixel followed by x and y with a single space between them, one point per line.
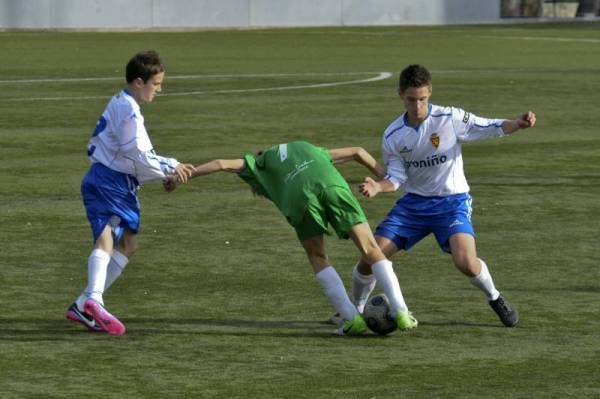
pixel 507 314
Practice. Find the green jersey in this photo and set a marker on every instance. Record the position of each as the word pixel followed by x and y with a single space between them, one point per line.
pixel 292 175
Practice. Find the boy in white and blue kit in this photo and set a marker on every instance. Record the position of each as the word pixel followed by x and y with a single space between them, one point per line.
pixel 422 153
pixel 122 158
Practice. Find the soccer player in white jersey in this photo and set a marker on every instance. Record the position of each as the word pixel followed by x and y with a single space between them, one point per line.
pixel 122 158
pixel 422 153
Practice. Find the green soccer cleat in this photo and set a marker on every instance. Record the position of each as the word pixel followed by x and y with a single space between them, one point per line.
pixel 405 321
pixel 355 326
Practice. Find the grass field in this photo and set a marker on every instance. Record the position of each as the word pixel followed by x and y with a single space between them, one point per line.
pixel 220 301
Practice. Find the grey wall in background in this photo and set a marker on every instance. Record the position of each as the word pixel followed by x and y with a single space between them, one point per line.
pixel 147 14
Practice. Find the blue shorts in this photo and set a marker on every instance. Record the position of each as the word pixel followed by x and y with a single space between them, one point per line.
pixel 414 217
pixel 110 197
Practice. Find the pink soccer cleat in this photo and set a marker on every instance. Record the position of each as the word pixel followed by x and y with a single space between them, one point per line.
pixel 103 318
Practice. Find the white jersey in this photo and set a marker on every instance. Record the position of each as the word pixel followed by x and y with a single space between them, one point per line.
pixel 428 160
pixel 121 142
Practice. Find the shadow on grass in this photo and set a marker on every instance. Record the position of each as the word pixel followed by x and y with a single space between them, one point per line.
pixel 27 329
pixel 459 323
pixel 231 327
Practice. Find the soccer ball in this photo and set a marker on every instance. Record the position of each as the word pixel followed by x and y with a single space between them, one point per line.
pixel 377 315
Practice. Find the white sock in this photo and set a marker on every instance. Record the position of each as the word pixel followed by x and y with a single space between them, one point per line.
pixel 336 293
pixel 362 286
pixel 97 266
pixel 384 273
pixel 485 283
pixel 117 263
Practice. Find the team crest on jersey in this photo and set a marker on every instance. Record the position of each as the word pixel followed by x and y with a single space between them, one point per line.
pixel 435 140
pixel 466 117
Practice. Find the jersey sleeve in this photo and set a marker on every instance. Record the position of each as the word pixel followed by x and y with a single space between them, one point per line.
pixel 396 171
pixel 470 127
pixel 136 146
pixel 249 174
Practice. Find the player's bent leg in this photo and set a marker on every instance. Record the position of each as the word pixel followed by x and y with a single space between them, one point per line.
pixel 128 244
pixel 333 287
pixel 364 240
pixel 484 282
pixel 105 240
pixel 97 267
pixel 124 249
pixel 464 254
pixel 382 268
pixel 387 247
pixel 117 264
pixel 363 280
pixel 362 287
pixel 315 251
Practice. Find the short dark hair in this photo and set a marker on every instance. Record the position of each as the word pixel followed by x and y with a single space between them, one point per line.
pixel 414 75
pixel 143 65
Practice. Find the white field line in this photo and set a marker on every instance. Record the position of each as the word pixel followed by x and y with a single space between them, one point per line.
pixel 177 77
pixel 468 34
pixel 380 76
pixel 539 38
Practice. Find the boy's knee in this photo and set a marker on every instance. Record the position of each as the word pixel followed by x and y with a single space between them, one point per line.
pixel 128 251
pixel 470 266
pixel 128 245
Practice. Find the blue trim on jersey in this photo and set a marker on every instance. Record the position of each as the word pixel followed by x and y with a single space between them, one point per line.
pixel 491 124
pixel 394 131
pixel 126 91
pixel 406 122
pixel 161 162
pixel 405 119
pixel 414 217
pixel 110 197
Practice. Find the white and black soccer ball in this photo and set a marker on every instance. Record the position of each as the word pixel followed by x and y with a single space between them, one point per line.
pixel 377 315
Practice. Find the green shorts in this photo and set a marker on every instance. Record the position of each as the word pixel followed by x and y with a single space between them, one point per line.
pixel 335 205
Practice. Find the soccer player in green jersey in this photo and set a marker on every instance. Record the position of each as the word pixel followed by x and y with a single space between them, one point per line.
pixel 301 180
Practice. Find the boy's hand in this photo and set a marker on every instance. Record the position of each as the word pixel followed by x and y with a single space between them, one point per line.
pixel 369 187
pixel 184 172
pixel 526 120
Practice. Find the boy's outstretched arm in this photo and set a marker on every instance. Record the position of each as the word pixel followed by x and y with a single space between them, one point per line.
pixel 524 121
pixel 218 165
pixel 360 155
